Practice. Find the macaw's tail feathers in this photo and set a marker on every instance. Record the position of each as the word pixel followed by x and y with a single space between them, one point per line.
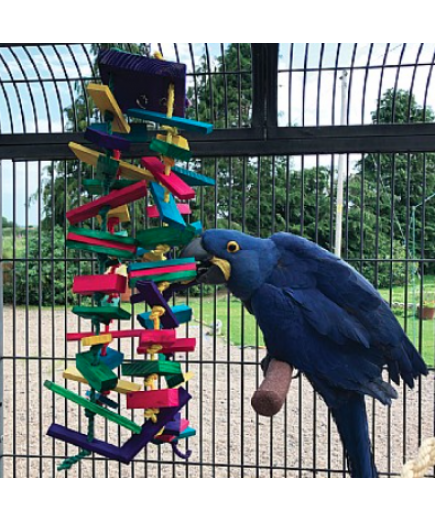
pixel 418 366
pixel 405 362
pixel 351 420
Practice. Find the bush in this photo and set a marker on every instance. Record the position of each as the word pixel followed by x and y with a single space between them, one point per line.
pixel 44 282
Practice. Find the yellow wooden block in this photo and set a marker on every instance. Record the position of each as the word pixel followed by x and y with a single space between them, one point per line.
pixel 89 156
pixel 187 377
pixel 122 213
pixel 134 173
pixel 178 141
pixel 96 340
pixel 105 101
pixel 123 387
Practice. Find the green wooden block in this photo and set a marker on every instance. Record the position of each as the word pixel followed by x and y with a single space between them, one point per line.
pixel 170 150
pixel 99 376
pixel 104 236
pixel 159 264
pixel 113 252
pixel 168 277
pixel 93 407
pixel 104 313
pixel 95 186
pixel 107 167
pixel 159 367
pixel 153 237
pixel 174 380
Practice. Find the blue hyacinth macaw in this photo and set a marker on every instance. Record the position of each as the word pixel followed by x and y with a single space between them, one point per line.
pixel 320 316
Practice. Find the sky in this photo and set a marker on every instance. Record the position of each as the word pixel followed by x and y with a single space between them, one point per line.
pixel 63 64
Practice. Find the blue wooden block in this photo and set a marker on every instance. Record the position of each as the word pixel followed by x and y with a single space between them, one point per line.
pixel 182 123
pixel 182 313
pixel 104 400
pixel 113 302
pixel 113 358
pixel 108 141
pixel 188 433
pixel 197 227
pixel 192 178
pixel 169 212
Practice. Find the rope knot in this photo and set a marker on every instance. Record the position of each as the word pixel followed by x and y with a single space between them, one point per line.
pixel 150 381
pixel 156 314
pixel 151 414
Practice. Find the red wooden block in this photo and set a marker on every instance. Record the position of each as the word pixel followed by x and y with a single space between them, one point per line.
pixel 114 199
pixel 153 211
pixel 172 182
pixel 162 271
pixel 107 284
pixel 181 345
pixel 99 242
pixel 164 337
pixel 133 333
pixel 165 438
pixel 153 399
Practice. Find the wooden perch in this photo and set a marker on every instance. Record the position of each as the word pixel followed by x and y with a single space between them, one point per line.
pixel 271 396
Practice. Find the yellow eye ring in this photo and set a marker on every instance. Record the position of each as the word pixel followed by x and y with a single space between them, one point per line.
pixel 233 247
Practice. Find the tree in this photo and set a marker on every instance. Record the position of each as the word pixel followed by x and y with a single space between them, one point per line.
pixel 6 223
pixel 394 183
pixel 60 189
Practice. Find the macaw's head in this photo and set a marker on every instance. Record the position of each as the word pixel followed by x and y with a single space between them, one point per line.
pixel 228 257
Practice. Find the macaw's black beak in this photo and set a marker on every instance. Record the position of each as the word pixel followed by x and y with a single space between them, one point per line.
pixel 211 270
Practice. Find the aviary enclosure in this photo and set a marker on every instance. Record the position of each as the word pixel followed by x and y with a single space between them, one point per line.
pixel 293 122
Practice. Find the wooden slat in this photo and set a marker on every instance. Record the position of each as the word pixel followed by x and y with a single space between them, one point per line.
pixel 123 386
pixel 105 101
pixel 93 407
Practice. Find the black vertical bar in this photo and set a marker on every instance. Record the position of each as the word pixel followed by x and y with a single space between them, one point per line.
pixel 229 324
pixel 14 321
pixel 1 326
pixel 242 339
pixel 41 395
pixel 258 86
pixel 26 336
pixel 265 84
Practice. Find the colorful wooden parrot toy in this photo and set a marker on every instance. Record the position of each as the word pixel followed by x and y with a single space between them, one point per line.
pixel 151 90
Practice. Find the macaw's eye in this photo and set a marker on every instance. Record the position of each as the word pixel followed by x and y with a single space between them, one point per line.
pixel 233 247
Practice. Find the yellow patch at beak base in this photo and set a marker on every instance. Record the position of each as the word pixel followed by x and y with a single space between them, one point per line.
pixel 223 265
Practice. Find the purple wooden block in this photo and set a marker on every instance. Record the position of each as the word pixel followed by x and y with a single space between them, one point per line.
pixel 152 296
pixel 80 440
pixel 173 427
pixel 141 82
pixel 108 141
pixel 138 441
pixel 133 446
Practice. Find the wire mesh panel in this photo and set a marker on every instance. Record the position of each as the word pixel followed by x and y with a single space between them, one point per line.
pixel 387 234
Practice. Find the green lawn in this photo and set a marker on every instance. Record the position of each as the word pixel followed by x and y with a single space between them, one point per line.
pixel 20 242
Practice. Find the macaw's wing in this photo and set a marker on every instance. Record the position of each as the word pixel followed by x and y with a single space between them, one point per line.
pixel 299 329
pixel 350 291
pixel 328 318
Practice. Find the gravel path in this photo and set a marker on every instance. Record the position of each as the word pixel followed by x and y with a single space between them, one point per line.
pixel 231 441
